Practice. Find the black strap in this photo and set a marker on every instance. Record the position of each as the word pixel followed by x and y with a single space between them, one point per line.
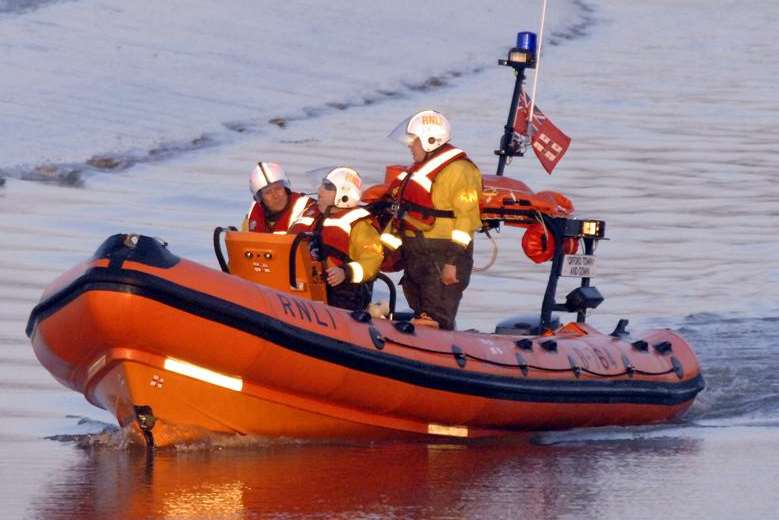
pixel 335 253
pixel 502 212
pixel 427 212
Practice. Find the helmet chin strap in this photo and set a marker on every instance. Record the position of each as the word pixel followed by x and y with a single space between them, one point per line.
pixel 431 153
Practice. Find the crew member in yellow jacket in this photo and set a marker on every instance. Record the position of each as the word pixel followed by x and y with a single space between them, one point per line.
pixel 346 239
pixel 437 215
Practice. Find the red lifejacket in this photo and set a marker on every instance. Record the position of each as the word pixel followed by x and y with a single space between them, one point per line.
pixel 414 189
pixel 306 222
pixel 336 230
pixel 296 205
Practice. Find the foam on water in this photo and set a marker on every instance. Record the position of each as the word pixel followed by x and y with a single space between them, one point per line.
pixel 200 80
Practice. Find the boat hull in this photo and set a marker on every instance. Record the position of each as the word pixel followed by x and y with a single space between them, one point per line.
pixel 204 351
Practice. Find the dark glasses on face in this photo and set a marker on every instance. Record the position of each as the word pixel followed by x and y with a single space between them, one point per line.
pixel 329 186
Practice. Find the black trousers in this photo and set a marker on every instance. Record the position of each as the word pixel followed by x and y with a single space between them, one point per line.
pixel 424 259
pixel 351 296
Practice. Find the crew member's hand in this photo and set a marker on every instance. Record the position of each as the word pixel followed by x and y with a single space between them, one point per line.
pixel 335 276
pixel 449 274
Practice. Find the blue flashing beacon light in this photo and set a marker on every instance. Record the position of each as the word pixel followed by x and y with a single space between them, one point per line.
pixel 526 41
pixel 524 54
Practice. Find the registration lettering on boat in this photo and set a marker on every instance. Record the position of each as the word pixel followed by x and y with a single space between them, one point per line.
pixel 579 266
pixel 306 311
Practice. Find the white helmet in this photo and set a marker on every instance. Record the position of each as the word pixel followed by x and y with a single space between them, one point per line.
pixel 431 127
pixel 348 186
pixel 265 174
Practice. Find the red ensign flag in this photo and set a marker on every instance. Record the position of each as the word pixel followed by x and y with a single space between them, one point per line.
pixel 549 142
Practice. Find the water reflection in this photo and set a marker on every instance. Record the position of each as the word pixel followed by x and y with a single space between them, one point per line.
pixel 488 480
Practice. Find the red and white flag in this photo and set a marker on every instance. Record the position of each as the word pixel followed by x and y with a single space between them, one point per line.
pixel 549 142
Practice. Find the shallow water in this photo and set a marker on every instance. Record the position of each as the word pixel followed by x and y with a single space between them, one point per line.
pixel 603 478
pixel 674 119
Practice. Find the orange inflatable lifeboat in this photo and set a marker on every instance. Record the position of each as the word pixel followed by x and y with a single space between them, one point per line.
pixel 176 350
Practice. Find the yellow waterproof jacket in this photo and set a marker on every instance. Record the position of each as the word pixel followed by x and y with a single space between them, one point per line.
pixel 365 251
pixel 457 188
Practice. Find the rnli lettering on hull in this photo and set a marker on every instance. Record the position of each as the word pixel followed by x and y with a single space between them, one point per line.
pixel 307 312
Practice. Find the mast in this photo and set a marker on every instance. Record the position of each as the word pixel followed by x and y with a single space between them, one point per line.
pixel 525 55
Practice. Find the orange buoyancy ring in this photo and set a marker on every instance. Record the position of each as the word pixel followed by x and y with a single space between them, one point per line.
pixel 336 232
pixel 414 190
pixel 296 205
pixel 539 245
